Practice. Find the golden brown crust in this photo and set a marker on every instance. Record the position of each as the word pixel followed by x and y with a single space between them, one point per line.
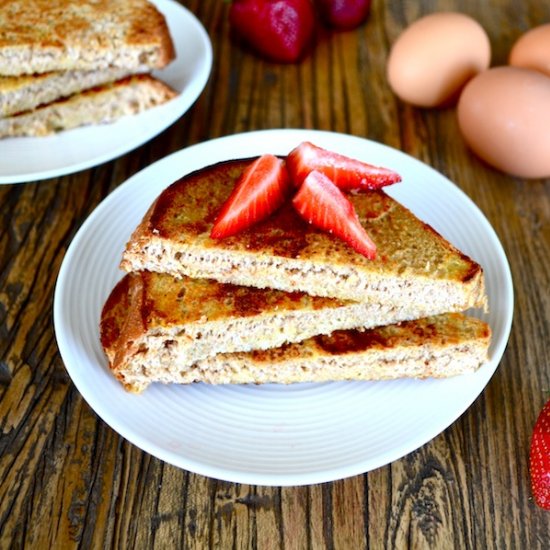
pixel 164 321
pixel 443 345
pixel 408 249
pixel 164 301
pixel 437 331
pixel 81 35
pixel 174 233
pixel 113 315
pixel 185 212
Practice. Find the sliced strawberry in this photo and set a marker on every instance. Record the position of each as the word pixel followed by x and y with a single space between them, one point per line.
pixel 322 204
pixel 346 173
pixel 259 191
pixel 539 459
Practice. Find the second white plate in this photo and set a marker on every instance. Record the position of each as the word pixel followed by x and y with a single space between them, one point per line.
pixel 30 159
pixel 272 435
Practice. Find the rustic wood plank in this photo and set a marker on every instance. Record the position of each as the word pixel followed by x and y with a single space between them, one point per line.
pixel 348 518
pixel 295 518
pixel 232 522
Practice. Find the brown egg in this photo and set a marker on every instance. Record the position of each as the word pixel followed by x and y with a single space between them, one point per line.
pixel 532 50
pixel 504 116
pixel 433 58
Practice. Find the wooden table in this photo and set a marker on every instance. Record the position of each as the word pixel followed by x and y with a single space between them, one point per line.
pixel 67 480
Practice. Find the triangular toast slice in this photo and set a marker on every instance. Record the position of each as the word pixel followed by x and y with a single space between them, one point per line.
pixel 415 266
pixel 192 319
pixel 19 94
pixel 65 35
pixel 100 105
pixel 148 346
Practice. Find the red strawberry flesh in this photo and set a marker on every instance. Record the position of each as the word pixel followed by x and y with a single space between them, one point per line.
pixel 261 189
pixel 346 173
pixel 322 204
pixel 539 459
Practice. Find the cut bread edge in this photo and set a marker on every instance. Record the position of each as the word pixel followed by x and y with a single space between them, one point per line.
pixel 19 94
pixel 437 346
pixel 102 105
pixel 414 264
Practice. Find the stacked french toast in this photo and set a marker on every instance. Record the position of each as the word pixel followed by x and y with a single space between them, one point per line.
pixel 290 269
pixel 72 63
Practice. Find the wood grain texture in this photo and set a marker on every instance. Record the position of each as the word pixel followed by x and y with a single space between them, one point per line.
pixel 68 481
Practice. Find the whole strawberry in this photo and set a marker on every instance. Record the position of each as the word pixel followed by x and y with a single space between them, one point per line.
pixel 344 14
pixel 280 30
pixel 539 459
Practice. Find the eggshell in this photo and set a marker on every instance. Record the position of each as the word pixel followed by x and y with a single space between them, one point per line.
pixel 433 58
pixel 532 50
pixel 504 116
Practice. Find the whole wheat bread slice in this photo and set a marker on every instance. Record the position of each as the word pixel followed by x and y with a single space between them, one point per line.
pixel 24 93
pixel 100 105
pixel 191 319
pixel 439 346
pixel 39 36
pixel 415 269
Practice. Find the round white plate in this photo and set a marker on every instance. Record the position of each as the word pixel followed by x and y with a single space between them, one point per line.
pixel 272 435
pixel 32 158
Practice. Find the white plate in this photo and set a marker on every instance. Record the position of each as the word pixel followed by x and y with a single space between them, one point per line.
pixel 30 159
pixel 272 435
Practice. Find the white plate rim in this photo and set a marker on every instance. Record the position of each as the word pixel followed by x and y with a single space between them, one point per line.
pixel 226 146
pixel 199 68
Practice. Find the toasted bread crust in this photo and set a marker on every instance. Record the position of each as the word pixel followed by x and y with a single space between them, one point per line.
pixel 193 319
pixel 414 263
pixel 40 36
pixel 113 316
pixel 439 346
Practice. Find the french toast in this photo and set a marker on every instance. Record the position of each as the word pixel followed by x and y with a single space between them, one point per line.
pixel 439 346
pixel 23 93
pixel 40 36
pixel 415 268
pixel 100 105
pixel 202 317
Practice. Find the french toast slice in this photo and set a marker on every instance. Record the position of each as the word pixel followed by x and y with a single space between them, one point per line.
pixel 439 346
pixel 415 267
pixel 102 105
pixel 19 94
pixel 189 319
pixel 39 36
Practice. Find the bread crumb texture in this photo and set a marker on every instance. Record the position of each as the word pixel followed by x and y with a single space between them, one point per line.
pixel 42 35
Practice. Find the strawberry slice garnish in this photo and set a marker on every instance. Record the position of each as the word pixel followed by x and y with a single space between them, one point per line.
pixel 259 191
pixel 322 204
pixel 346 173
pixel 539 459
